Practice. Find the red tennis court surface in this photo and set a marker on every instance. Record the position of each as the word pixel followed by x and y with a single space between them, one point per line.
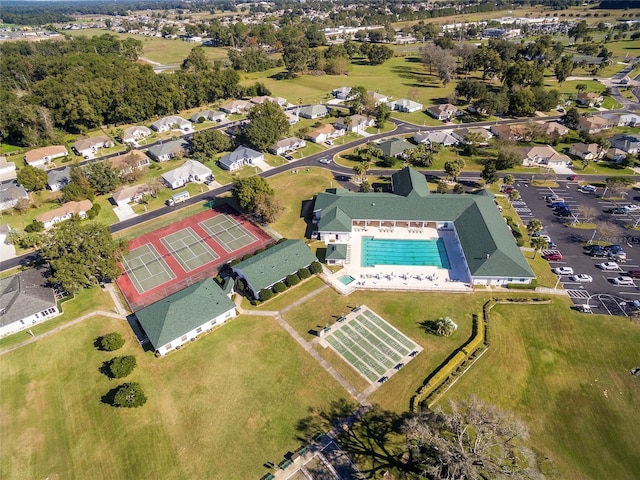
pixel 255 238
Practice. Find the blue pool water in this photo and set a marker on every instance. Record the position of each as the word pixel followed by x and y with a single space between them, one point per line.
pixel 386 251
pixel 346 279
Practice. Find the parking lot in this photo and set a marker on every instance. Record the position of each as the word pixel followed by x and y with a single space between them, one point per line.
pixel 601 294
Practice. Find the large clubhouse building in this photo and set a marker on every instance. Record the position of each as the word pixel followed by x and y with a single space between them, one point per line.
pixel 411 238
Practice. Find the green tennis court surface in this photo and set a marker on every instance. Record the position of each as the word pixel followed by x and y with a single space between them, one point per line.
pixel 370 344
pixel 189 249
pixel 228 233
pixel 146 268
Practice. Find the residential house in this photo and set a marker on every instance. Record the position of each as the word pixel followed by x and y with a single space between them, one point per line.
pixel 544 155
pixel 589 99
pixel 444 112
pixel 266 98
pixel 25 300
pixel 236 106
pixel 11 194
pixel 313 111
pixel 626 143
pixel 595 124
pixel 64 213
pixel 178 319
pixel 554 128
pixel 629 120
pixel 135 193
pixel 292 117
pixel 265 269
pixel 325 132
pixel 167 150
pixel 87 147
pixel 39 157
pixel 287 145
pixel 477 135
pixel 616 155
pixel 135 133
pixel 395 147
pixel 378 98
pixel 240 157
pixel 509 132
pixel 190 171
pixel 7 170
pixel 590 151
pixel 127 162
pixel 57 179
pixel 208 116
pixel 172 122
pixel 404 105
pixel 357 123
pixel 439 137
pixel 342 93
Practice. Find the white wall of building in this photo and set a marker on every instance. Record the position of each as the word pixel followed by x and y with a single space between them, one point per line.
pixel 30 321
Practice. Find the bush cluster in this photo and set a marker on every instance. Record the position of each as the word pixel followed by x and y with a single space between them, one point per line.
pixel 111 341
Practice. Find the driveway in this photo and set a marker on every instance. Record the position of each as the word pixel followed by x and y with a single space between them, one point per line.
pixel 124 212
pixel 6 251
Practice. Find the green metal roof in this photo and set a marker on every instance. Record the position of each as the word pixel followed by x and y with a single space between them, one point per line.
pixel 395 146
pixel 186 310
pixel 488 245
pixel 336 251
pixel 274 264
pixel 409 181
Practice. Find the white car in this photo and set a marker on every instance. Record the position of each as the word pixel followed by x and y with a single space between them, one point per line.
pixel 609 266
pixel 582 277
pixel 563 271
pixel 623 280
pixel 325 160
pixel 632 207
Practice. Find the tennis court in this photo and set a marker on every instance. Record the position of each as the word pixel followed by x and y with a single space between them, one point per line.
pixel 146 268
pixel 227 232
pixel 369 344
pixel 189 250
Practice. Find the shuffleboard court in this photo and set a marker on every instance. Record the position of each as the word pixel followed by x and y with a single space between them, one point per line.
pixel 230 234
pixel 189 250
pixel 372 346
pixel 146 268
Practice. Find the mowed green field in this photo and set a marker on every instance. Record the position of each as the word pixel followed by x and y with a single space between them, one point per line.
pixel 218 409
pixel 567 376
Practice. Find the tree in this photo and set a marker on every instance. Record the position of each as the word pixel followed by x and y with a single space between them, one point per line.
pixel 509 179
pixel 489 173
pixel 445 327
pixel 538 244
pixel 267 208
pixel 120 367
pixel 32 179
pixel 315 267
pixel 458 189
pixel 507 158
pixel 571 118
pixel 255 197
pixel 377 54
pixel 102 177
pixel 534 226
pixel 473 441
pixel 207 143
pixel 295 58
pixel 267 124
pixel 617 186
pixel 454 167
pixel 581 87
pixel 587 213
pixel 442 187
pixel 382 113
pixel 514 195
pixel 129 395
pixel 196 61
pixel 420 156
pixel 563 69
pixel 110 342
pixel 365 186
pixel 81 254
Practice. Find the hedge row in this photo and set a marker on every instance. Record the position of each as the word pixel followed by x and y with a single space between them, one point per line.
pixel 515 229
pixel 524 286
pixel 291 280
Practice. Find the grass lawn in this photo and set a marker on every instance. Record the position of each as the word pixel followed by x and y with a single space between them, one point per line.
pixel 292 190
pixel 200 421
pixel 283 300
pixel 567 376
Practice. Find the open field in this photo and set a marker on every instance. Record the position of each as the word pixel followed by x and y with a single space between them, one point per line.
pixel 219 408
pixel 567 376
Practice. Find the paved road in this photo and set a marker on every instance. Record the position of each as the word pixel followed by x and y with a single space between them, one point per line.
pixel 402 128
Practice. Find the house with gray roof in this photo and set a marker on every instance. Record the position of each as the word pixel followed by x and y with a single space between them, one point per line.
pixel 485 247
pixel 395 147
pixel 135 133
pixel 271 266
pixel 56 179
pixel 190 171
pixel 208 116
pixel 25 300
pixel 240 157
pixel 11 194
pixel 341 93
pixel 439 137
pixel 179 318
pixel 405 105
pixel 313 111
pixel 167 150
pixel 626 143
pixel 172 122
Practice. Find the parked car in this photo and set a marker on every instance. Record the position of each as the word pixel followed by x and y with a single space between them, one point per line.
pixel 609 266
pixel 552 255
pixel 632 207
pixel 633 273
pixel 613 248
pixel 601 253
pixel 328 142
pixel 559 204
pixel 563 271
pixel 616 210
pixel 623 280
pixel 582 278
pixel 595 246
pixel 587 189
pixel 552 198
pixel 563 212
pixel 573 177
pixel 618 256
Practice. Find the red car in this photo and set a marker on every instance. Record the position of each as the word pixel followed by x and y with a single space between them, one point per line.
pixel 552 255
pixel 634 273
pixel 572 177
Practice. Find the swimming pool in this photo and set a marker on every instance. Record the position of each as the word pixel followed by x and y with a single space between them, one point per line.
pixel 346 279
pixel 386 251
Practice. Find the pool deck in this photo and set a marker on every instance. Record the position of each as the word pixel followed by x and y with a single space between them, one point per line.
pixel 403 277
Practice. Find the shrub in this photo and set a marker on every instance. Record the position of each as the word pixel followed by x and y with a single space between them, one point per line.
pixel 304 273
pixel 292 280
pixel 315 267
pixel 245 257
pixel 120 367
pixel 281 240
pixel 129 395
pixel 265 294
pixel 524 286
pixel 234 262
pixel 110 342
pixel 34 226
pixel 279 287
